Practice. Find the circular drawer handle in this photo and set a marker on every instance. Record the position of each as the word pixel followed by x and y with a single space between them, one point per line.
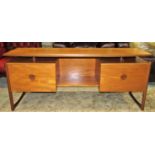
pixel 123 76
pixel 32 77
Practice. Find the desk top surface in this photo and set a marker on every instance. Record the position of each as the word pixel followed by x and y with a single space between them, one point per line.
pixel 77 52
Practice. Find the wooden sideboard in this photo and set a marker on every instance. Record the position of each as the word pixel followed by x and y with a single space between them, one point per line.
pixel 45 69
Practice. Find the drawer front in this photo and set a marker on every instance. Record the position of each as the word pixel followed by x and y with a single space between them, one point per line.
pixel 124 77
pixel 32 77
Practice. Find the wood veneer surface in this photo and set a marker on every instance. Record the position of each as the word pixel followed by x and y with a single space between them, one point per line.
pixel 121 77
pixel 77 52
pixel 76 72
pixel 30 77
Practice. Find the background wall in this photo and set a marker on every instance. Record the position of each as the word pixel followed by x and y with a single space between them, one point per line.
pixel 47 44
pixel 149 46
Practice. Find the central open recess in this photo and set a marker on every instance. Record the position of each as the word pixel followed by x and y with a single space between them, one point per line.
pixel 76 72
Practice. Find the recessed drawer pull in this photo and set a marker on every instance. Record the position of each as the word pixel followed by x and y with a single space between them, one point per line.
pixel 32 77
pixel 123 76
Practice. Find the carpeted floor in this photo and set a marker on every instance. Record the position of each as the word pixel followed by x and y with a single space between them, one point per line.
pixel 76 99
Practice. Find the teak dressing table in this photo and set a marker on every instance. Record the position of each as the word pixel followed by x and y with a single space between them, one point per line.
pixel 44 69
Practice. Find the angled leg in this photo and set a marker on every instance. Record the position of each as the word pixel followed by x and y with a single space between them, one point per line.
pixel 12 104
pixel 142 104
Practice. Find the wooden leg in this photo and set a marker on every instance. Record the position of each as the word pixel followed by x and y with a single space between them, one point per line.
pixel 142 104
pixel 11 100
pixel 12 104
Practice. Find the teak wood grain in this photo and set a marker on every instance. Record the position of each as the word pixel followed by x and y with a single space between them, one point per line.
pixel 124 77
pixel 43 69
pixel 76 52
pixel 77 72
pixel 32 77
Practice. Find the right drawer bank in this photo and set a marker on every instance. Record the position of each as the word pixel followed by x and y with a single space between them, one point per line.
pixel 123 74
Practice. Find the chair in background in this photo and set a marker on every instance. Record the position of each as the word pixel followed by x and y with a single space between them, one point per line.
pixel 6 46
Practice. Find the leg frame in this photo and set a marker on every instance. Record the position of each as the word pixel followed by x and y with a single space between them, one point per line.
pixel 12 104
pixel 142 104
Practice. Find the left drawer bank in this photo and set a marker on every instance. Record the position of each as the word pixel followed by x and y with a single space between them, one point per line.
pixel 31 77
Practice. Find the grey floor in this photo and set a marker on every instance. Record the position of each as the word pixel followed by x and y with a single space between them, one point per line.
pixel 76 99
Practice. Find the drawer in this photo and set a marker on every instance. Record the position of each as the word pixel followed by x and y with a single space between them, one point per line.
pixel 32 77
pixel 123 77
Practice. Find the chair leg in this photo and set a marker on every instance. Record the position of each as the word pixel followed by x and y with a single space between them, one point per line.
pixel 142 104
